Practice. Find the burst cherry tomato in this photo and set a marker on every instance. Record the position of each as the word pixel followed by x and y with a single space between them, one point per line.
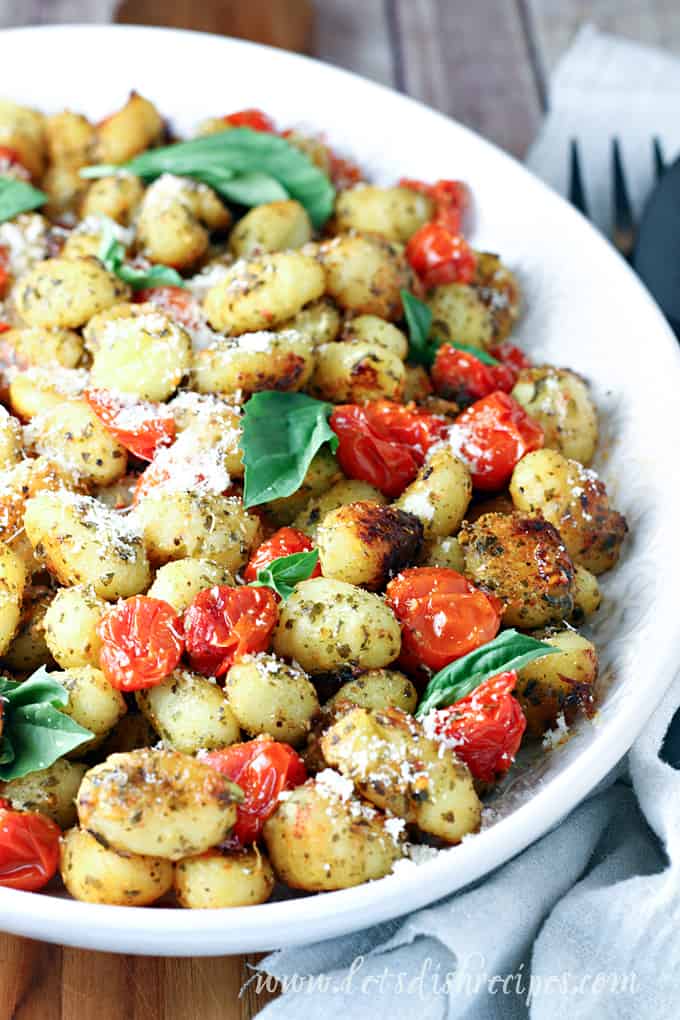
pixel 511 356
pixel 492 435
pixel 142 642
pixel 29 849
pixel 180 304
pixel 439 256
pixel 343 172
pixel 4 269
pixel 139 425
pixel 262 768
pixel 11 164
pixel 460 376
pixel 4 327
pixel 485 729
pixel 384 443
pixel 442 616
pixel 284 542
pixel 450 198
pixel 223 624
pixel 255 119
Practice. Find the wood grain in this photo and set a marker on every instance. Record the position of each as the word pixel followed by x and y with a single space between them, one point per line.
pixel 472 61
pixel 355 34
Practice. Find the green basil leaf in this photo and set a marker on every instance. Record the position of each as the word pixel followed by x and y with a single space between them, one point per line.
pixel 17 197
pixel 216 160
pixel 421 348
pixel 476 352
pixel 253 189
pixel 39 688
pixel 509 650
pixel 40 734
pixel 283 573
pixel 112 256
pixel 281 434
pixel 6 750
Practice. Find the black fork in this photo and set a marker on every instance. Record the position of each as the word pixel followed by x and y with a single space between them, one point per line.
pixel 623 220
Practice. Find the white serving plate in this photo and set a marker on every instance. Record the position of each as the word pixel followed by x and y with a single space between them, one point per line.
pixel 585 309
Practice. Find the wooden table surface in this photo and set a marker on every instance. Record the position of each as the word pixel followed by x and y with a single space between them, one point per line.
pixel 485 62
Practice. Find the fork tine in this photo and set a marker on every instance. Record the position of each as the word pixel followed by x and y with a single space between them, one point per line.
pixel 624 225
pixel 576 191
pixel 659 161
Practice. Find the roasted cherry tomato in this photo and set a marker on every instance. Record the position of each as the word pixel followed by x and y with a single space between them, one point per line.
pixel 180 304
pixel 223 624
pixel 139 425
pixel 451 199
pixel 484 729
pixel 511 356
pixel 142 642
pixel 255 119
pixel 460 376
pixel 263 768
pixel 11 164
pixel 491 436
pixel 384 443
pixel 438 256
pixel 4 327
pixel 343 172
pixel 29 848
pixel 442 615
pixel 284 542
pixel 4 269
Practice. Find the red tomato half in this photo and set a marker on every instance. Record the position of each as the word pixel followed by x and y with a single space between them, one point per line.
pixel 223 624
pixel 262 768
pixel 384 443
pixel 511 356
pixel 492 436
pixel 255 119
pixel 284 542
pixel 460 376
pixel 142 642
pixel 451 199
pixel 439 256
pixel 11 164
pixel 180 304
pixel 140 426
pixel 486 728
pixel 442 616
pixel 29 849
pixel 4 327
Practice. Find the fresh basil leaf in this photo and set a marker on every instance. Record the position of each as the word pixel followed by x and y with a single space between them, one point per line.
pixel 476 352
pixel 40 734
pixel 509 650
pixel 253 189
pixel 6 750
pixel 421 348
pixel 218 159
pixel 112 256
pixel 283 573
pixel 39 688
pixel 281 434
pixel 17 197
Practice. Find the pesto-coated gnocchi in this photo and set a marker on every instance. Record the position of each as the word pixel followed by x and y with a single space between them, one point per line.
pixel 326 624
pixel 243 526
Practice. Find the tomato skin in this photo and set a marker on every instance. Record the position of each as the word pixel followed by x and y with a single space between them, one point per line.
pixel 442 615
pixel 384 443
pixel 439 256
pixel 284 542
pixel 485 729
pixel 142 642
pixel 223 624
pixel 29 849
pixel 4 270
pixel 252 118
pixel 10 163
pixel 451 199
pixel 153 425
pixel 511 356
pixel 492 436
pixel 4 327
pixel 180 304
pixel 460 376
pixel 262 768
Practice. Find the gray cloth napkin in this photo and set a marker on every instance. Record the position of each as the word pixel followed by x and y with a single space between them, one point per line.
pixel 583 924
